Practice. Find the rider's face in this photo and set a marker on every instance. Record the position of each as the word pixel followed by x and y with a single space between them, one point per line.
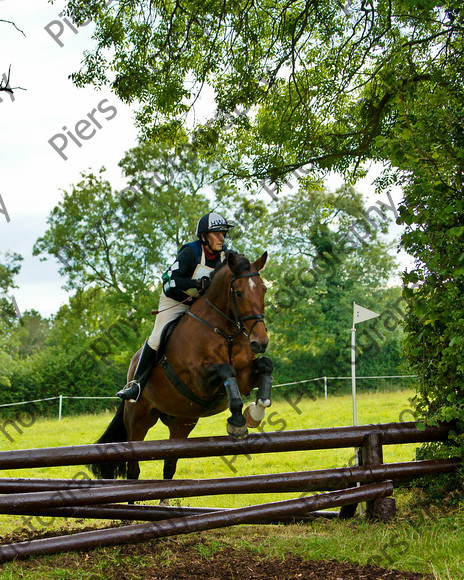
pixel 215 240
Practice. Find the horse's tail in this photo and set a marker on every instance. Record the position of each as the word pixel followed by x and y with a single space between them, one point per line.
pixel 115 433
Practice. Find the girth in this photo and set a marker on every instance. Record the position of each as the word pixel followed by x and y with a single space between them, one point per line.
pixel 186 391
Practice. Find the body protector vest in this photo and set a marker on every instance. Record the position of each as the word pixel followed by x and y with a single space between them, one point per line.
pixel 180 280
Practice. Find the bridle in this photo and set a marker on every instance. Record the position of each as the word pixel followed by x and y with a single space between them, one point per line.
pixel 240 319
pixel 237 320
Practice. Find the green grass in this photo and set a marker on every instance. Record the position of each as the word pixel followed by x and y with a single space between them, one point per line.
pixel 435 545
pixel 283 415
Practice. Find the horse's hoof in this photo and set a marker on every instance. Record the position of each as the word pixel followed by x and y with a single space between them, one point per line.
pixel 253 423
pixel 237 432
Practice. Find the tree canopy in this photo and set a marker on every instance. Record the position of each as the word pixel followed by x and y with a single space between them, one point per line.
pixel 10 266
pixel 119 240
pixel 295 83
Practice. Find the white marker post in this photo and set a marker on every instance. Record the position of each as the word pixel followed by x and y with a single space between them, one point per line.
pixel 360 314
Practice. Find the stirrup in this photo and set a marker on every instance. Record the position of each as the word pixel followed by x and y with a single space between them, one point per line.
pixel 131 392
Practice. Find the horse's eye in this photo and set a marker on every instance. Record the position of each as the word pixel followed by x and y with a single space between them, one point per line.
pixel 239 294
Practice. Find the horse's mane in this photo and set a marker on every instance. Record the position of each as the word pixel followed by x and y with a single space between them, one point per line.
pixel 242 264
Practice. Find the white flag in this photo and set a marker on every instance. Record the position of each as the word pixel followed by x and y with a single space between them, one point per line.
pixel 360 314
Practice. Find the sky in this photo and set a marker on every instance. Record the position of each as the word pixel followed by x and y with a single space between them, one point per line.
pixel 51 132
pixel 33 173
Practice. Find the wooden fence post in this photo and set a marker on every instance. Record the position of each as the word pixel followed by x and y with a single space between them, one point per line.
pixel 373 455
pixel 348 511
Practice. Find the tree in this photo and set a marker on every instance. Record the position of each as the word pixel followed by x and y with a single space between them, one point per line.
pixel 5 83
pixel 84 349
pixel 428 154
pixel 308 106
pixel 433 215
pixel 85 235
pixel 32 333
pixel 180 185
pixel 322 267
pixel 9 268
pixel 123 241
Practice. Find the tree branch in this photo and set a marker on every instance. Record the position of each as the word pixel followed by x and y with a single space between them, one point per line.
pixel 13 24
pixel 5 83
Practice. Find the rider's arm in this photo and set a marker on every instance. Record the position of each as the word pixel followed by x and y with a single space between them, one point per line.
pixel 180 275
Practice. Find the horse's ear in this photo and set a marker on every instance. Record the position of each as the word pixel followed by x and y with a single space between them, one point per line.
pixel 232 260
pixel 259 263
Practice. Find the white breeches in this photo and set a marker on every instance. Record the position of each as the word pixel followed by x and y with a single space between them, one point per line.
pixel 174 309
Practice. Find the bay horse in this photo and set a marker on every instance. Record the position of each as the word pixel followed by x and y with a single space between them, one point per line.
pixel 208 363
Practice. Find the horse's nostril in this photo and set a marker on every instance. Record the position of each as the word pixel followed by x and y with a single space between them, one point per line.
pixel 257 347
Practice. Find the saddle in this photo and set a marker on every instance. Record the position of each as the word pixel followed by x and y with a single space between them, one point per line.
pixel 166 335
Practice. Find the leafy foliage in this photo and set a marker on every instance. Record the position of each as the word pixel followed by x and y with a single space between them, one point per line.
pixel 9 268
pixel 321 268
pixel 320 81
pixel 91 235
pixel 430 165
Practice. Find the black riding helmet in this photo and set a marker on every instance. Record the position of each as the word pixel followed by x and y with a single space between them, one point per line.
pixel 213 222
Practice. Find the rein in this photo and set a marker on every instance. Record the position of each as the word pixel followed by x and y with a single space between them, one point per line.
pixel 156 312
pixel 236 321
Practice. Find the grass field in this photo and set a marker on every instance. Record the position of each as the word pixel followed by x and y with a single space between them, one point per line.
pixel 425 542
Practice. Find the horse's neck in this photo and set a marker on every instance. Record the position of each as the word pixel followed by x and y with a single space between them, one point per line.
pixel 219 293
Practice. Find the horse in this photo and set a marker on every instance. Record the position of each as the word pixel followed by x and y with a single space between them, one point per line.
pixel 208 363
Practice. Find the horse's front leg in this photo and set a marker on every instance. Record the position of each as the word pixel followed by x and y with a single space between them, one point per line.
pixel 255 412
pixel 236 424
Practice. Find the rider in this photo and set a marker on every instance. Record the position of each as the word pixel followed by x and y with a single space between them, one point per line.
pixel 189 275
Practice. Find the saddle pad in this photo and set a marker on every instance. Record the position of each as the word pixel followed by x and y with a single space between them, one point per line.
pixel 166 335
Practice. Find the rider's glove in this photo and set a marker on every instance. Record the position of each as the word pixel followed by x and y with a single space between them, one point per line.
pixel 203 283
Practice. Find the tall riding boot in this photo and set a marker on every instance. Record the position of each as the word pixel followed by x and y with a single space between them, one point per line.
pixel 133 390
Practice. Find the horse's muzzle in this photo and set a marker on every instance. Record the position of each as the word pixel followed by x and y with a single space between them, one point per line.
pixel 258 347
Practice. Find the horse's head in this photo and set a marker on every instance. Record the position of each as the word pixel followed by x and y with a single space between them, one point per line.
pixel 247 298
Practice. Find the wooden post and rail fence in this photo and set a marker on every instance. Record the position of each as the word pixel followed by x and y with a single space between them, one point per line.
pixel 371 481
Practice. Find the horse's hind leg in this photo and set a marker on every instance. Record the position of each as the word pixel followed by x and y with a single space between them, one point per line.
pixel 138 418
pixel 179 428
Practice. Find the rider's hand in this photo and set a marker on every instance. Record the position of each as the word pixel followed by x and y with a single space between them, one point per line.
pixel 203 283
